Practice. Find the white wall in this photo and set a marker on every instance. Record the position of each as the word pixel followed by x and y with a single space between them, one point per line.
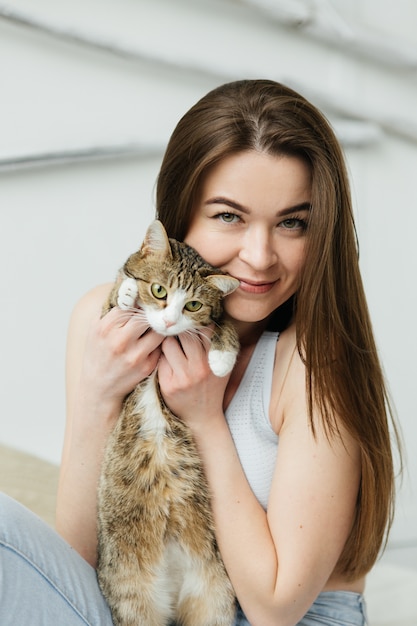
pixel 67 223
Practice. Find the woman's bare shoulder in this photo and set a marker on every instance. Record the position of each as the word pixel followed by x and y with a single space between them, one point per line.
pixel 288 376
pixel 91 303
pixel 86 311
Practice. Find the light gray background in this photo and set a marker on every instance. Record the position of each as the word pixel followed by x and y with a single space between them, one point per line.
pixel 91 90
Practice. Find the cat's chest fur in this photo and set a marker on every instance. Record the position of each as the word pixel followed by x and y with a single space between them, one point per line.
pixel 153 461
pixel 167 440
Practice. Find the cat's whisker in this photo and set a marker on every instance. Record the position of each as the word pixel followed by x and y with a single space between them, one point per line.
pixel 131 309
pixel 197 334
pixel 218 327
pixel 137 315
pixel 133 312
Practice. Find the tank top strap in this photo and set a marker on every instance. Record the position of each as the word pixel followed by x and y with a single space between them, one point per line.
pixel 248 418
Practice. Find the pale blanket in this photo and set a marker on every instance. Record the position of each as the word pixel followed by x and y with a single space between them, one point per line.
pixel 30 480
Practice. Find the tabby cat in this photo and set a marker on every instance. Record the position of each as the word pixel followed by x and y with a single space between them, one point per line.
pixel 158 561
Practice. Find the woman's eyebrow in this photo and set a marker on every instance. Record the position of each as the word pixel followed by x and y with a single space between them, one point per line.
pixel 225 201
pixel 302 206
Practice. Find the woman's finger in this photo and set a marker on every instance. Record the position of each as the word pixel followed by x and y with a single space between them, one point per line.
pixel 120 318
pixel 196 343
pixel 173 352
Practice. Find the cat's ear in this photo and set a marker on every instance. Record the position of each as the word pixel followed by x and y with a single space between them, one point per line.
pixel 156 240
pixel 225 283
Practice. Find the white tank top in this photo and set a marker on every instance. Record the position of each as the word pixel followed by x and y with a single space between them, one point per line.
pixel 248 419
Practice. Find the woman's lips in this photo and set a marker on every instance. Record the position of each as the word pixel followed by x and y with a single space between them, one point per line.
pixel 254 287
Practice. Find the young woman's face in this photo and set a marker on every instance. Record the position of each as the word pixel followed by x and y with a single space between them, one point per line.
pixel 250 219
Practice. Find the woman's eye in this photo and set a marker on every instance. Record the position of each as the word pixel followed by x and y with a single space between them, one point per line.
pixel 294 223
pixel 228 218
pixel 193 306
pixel 158 291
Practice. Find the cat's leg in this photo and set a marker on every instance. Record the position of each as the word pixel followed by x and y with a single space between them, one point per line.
pixel 132 568
pixel 133 575
pixel 138 593
pixel 128 293
pixel 223 350
pixel 221 362
pixel 206 597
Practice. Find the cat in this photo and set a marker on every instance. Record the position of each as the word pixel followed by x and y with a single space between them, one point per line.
pixel 158 561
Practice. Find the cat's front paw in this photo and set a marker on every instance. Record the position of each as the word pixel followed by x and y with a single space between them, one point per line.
pixel 221 362
pixel 128 292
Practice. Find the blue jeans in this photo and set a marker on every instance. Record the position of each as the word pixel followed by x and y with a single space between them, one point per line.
pixel 44 582
pixel 331 608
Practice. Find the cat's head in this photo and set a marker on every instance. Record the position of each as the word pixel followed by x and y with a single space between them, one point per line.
pixel 177 289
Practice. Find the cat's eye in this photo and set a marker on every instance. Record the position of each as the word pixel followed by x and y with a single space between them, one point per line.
pixel 158 291
pixel 193 306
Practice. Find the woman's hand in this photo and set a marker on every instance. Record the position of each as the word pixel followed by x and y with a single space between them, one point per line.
pixel 188 386
pixel 119 353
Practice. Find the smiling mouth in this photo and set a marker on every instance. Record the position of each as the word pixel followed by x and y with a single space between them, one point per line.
pixel 255 288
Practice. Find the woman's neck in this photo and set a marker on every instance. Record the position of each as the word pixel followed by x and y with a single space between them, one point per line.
pixel 249 332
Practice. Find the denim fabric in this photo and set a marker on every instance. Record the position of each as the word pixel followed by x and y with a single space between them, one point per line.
pixel 44 582
pixel 341 608
pixel 331 608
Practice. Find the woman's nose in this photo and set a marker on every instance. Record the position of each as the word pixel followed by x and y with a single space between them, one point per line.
pixel 258 250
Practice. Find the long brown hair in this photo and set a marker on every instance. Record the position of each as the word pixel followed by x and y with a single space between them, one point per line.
pixel 345 383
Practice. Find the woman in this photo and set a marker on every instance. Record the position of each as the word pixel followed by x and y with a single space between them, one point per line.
pixel 295 443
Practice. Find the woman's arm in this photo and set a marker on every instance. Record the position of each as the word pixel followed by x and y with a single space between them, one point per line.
pixel 278 561
pixel 106 358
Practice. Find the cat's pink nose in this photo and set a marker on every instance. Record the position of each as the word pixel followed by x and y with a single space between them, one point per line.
pixel 168 323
